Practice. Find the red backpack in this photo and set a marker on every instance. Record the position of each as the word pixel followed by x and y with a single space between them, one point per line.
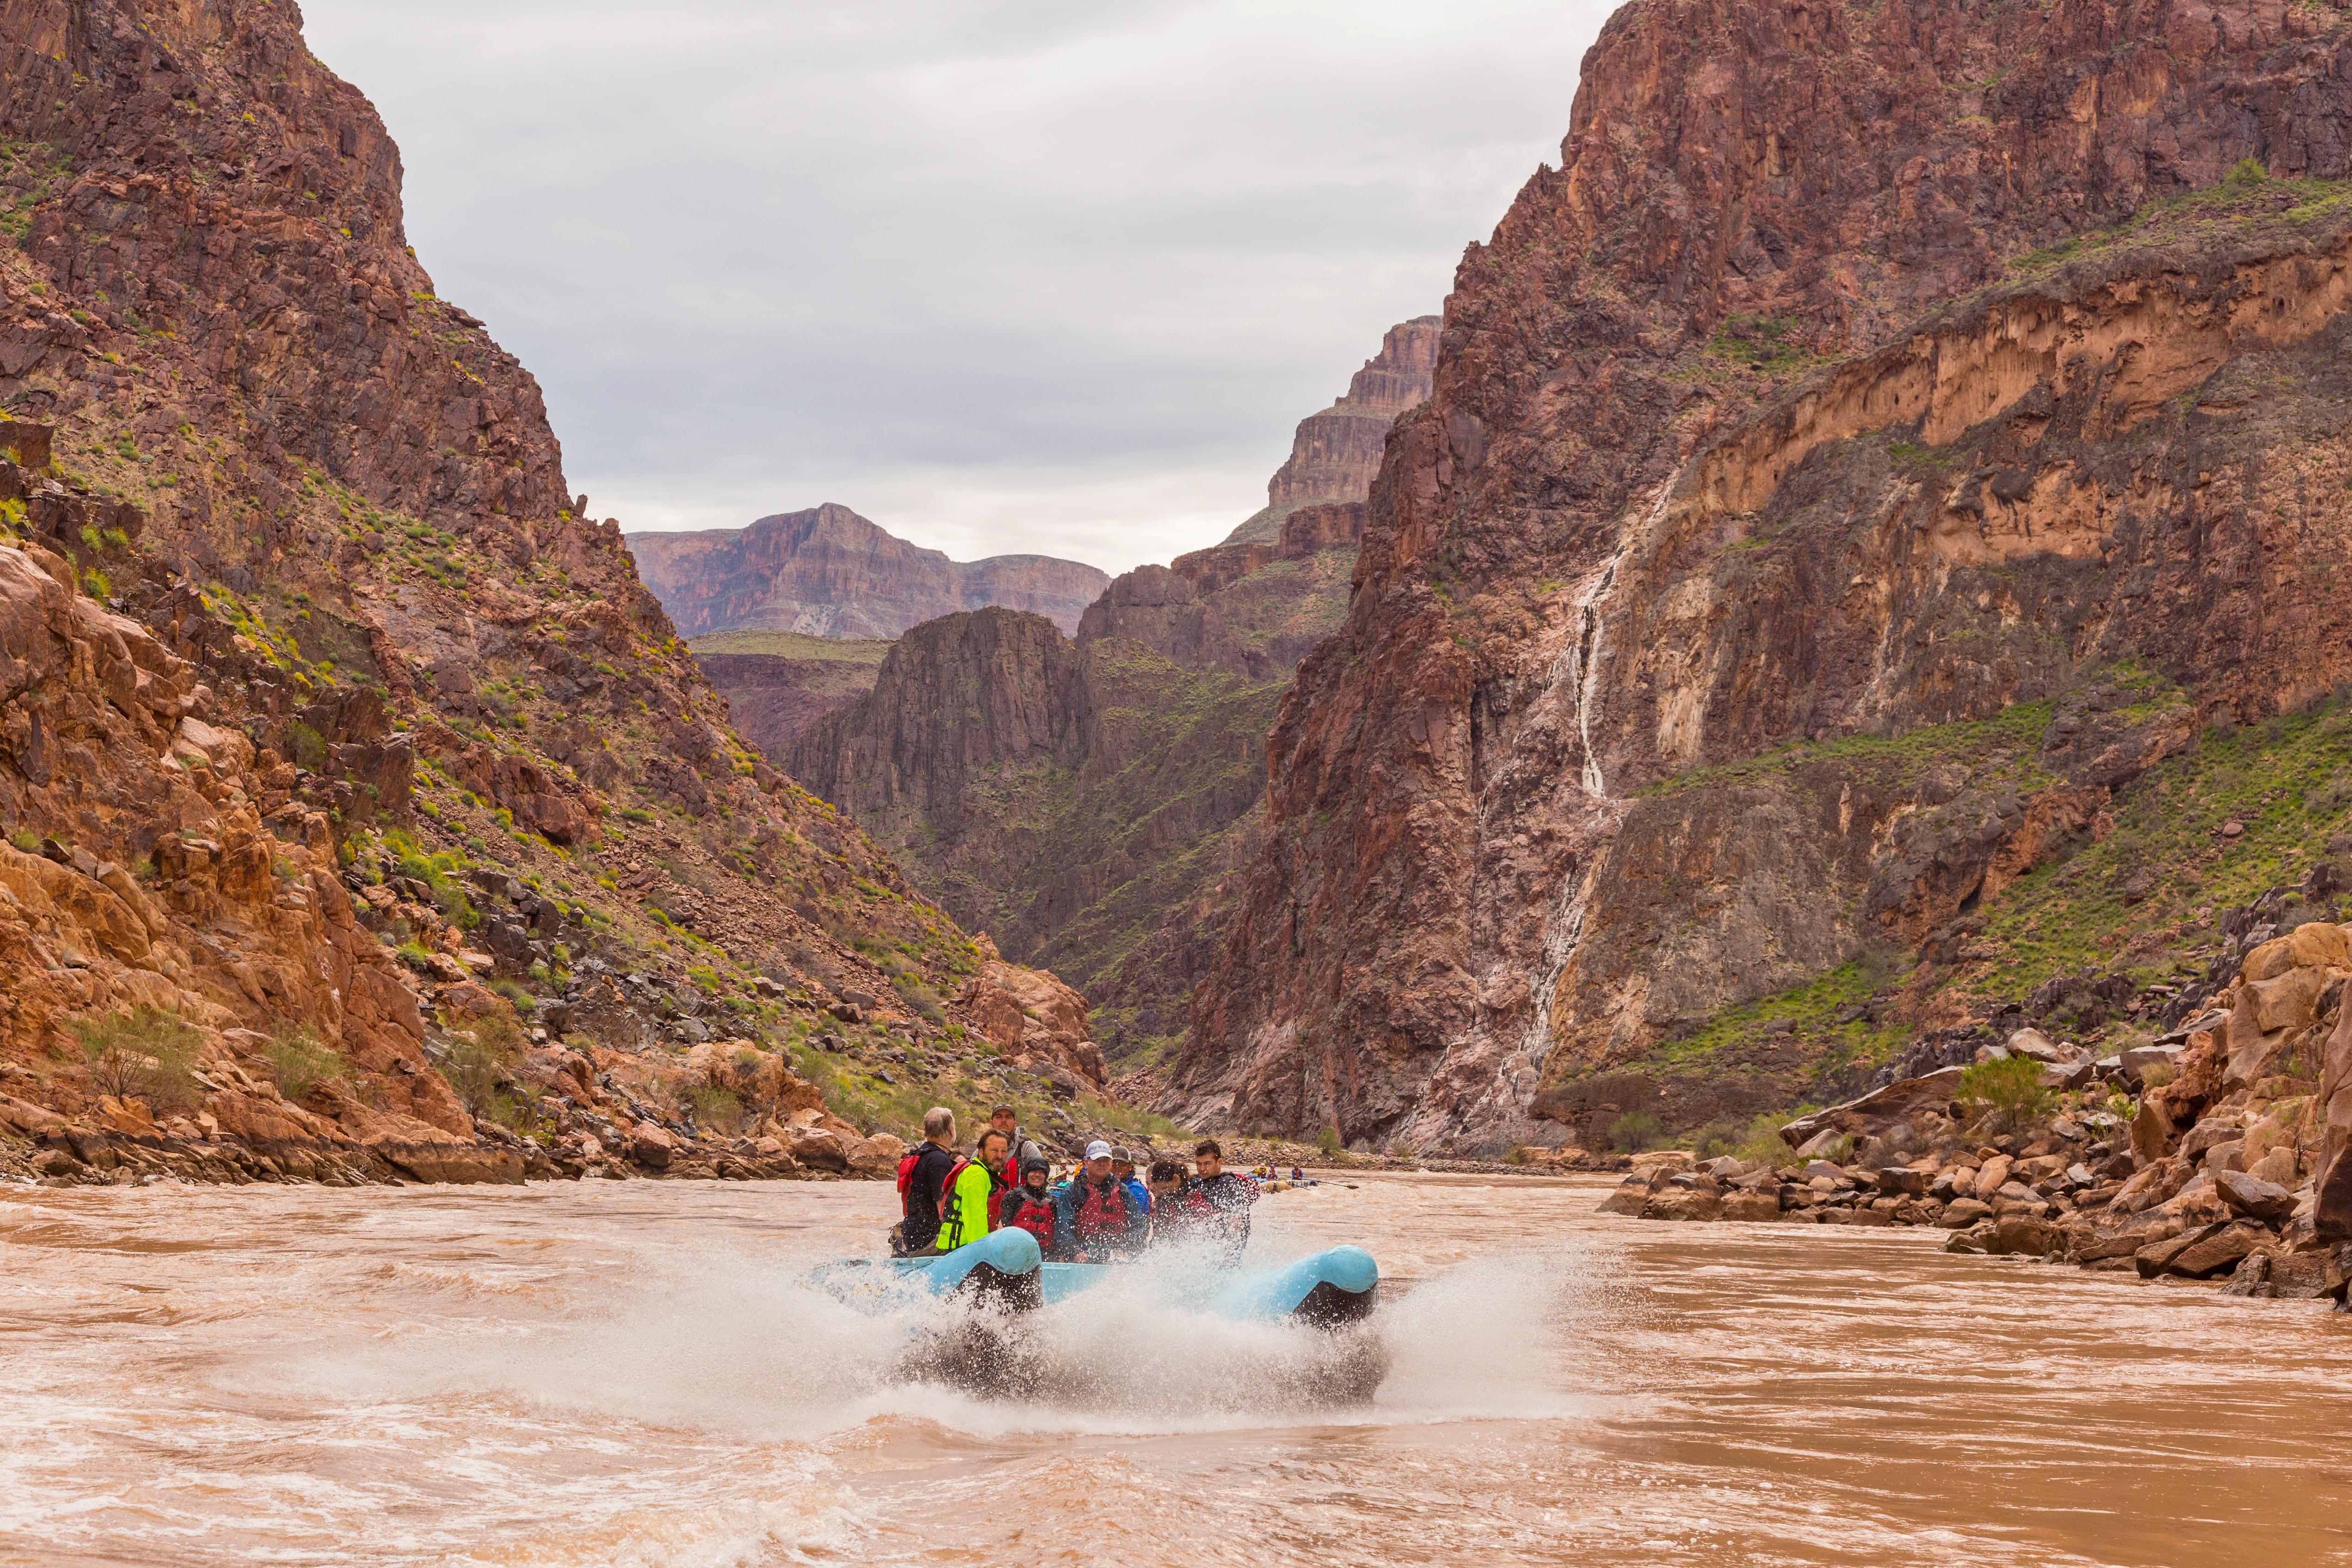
pixel 906 1177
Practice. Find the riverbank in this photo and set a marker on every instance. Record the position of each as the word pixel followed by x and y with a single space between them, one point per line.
pixel 2212 1153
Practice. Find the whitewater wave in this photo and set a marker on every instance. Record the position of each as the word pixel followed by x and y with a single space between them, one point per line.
pixel 754 1348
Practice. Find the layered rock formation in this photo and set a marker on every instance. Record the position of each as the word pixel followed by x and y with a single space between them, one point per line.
pixel 1883 438
pixel 1335 453
pixel 368 821
pixel 828 572
pixel 1082 798
pixel 1077 798
pixel 779 683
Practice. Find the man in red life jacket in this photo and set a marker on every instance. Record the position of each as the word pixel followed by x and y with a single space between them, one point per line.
pixel 1095 1220
pixel 1030 1206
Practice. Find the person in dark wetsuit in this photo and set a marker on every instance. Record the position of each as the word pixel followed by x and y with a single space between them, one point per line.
pixel 920 1230
pixel 1226 1195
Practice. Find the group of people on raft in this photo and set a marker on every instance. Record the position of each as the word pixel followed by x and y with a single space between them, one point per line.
pixel 1103 1213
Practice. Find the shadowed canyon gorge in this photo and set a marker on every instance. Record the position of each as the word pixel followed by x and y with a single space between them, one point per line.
pixel 1847 576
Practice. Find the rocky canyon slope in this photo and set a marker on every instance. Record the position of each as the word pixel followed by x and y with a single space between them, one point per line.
pixel 1079 797
pixel 1892 444
pixel 828 572
pixel 366 819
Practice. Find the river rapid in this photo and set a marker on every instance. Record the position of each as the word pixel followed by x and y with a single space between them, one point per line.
pixel 633 1373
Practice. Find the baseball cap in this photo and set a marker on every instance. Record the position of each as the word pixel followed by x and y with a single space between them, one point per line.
pixel 1119 1156
pixel 1098 1150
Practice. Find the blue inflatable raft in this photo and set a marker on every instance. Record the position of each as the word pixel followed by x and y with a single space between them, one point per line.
pixel 1007 1351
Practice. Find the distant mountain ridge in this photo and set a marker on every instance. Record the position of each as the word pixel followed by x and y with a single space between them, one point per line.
pixel 828 572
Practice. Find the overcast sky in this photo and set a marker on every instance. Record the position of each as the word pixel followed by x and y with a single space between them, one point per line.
pixel 1004 275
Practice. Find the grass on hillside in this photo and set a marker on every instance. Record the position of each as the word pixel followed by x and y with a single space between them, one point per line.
pixel 795 646
pixel 2248 192
pixel 2287 782
pixel 2142 900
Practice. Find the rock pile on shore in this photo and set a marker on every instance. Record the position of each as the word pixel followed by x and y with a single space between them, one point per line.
pixel 2218 1151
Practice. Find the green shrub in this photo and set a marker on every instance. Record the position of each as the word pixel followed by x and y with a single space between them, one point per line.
pixel 721 1110
pixel 2009 1089
pixel 299 1062
pixel 1635 1131
pixel 309 746
pixel 517 993
pixel 1329 1141
pixel 2157 1075
pixel 480 1063
pixel 145 1053
pixel 414 955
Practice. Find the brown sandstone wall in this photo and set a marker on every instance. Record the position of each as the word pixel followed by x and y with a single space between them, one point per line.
pixel 1729 452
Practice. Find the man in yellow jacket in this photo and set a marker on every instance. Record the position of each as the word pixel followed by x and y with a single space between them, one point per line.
pixel 968 1205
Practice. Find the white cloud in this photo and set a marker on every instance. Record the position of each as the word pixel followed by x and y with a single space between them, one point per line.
pixel 1003 274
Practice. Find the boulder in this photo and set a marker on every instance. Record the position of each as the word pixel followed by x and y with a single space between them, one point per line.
pixel 1879 1109
pixel 2333 1215
pixel 2279 1167
pixel 2018 1235
pixel 452 1162
pixel 2088 1245
pixel 652 1147
pixel 2249 1195
pixel 1962 1212
pixel 2032 1042
pixel 2156 1257
pixel 2134 1063
pixel 1752 1205
pixel 1631 1197
pixel 1683 1203
pixel 2268 961
pixel 2218 1251
pixel 1903 1181
pixel 2151 1132
pixel 1668 1159
pixel 2321 946
pixel 818 1148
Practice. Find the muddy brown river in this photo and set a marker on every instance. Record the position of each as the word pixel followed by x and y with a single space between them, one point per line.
pixel 637 1374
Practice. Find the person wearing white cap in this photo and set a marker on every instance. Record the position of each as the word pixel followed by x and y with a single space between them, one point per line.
pixel 1093 1213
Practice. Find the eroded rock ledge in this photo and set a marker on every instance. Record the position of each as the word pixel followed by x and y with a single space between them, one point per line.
pixel 2223 1151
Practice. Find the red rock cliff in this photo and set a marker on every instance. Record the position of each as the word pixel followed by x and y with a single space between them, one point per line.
pixel 1761 423
pixel 1335 453
pixel 316 684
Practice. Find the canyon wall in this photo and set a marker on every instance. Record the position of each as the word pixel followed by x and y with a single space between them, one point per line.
pixel 366 819
pixel 828 572
pixel 1885 437
pixel 1083 798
